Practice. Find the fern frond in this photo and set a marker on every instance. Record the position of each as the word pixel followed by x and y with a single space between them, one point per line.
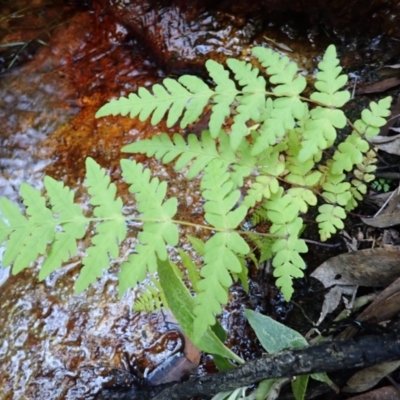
pixel 251 101
pixel 329 81
pixel 349 153
pixel 159 231
pixel 372 120
pixel 225 95
pixel 220 259
pixel 264 246
pixel 282 111
pixel 364 173
pixel 258 216
pixel 282 72
pixel 172 96
pixel 266 182
pixel 221 250
pixel 199 152
pixel 73 224
pixel 110 233
pixel 151 298
pixel 287 263
pixel 331 216
pixel 27 237
pixel 320 132
pixel 303 177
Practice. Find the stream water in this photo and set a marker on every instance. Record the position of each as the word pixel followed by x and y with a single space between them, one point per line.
pixel 55 344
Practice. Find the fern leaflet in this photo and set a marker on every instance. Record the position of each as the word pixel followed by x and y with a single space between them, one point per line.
pixel 158 231
pixel 220 252
pixel 288 264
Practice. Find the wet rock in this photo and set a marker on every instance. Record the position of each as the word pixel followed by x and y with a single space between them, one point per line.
pixel 181 35
pixel 181 38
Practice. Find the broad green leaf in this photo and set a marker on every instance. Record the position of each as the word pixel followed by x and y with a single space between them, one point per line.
pixel 273 335
pixel 182 305
pixel 299 386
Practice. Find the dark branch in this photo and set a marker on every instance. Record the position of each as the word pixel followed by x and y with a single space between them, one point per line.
pixel 325 357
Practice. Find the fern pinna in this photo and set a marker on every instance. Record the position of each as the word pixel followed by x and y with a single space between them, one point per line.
pixel 268 161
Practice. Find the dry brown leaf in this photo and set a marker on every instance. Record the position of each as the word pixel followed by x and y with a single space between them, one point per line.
pixel 332 300
pixel 371 267
pixel 380 86
pixel 390 144
pixel 389 70
pixel 383 308
pixel 385 220
pixel 369 377
pixel 385 393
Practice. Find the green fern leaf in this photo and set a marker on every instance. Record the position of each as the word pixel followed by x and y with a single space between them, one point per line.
pixel 172 97
pixel 199 152
pixel 329 81
pixel 220 260
pixel 331 216
pixel 197 103
pixel 349 153
pixel 217 190
pixel 109 233
pixel 220 251
pixel 320 132
pixel 225 95
pixel 151 298
pixel 284 110
pixel 26 238
pixel 159 231
pixel 372 120
pixel 283 71
pixel 266 183
pixel 252 100
pixel 73 224
pixel 283 213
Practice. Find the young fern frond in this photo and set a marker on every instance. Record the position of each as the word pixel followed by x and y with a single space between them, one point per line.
pixel 151 298
pixel 364 173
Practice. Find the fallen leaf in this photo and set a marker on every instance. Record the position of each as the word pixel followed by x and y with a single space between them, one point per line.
pixel 332 300
pixel 383 308
pixel 369 377
pixel 385 220
pixel 371 267
pixel 390 144
pixel 389 70
pixel 385 393
pixel 380 86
